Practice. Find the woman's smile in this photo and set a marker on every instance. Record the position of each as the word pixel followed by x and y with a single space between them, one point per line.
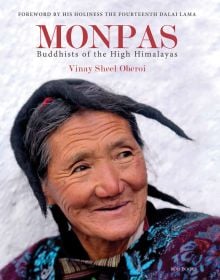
pixel 113 207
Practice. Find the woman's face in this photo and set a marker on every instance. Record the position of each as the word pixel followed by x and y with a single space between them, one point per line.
pixel 97 176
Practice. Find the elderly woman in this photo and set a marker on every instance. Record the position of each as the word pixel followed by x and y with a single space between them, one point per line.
pixel 80 148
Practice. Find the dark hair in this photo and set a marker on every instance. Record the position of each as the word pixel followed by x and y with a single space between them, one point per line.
pixel 37 119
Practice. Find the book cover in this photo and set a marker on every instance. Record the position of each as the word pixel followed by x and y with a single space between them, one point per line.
pixel 162 53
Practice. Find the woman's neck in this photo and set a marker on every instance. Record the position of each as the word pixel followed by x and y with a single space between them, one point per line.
pixel 102 249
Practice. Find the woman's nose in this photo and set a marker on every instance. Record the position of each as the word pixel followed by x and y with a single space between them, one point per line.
pixel 108 183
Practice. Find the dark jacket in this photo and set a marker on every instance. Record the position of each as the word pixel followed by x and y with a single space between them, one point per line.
pixel 177 245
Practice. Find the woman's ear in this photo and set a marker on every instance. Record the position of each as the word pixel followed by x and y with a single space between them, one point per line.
pixel 47 192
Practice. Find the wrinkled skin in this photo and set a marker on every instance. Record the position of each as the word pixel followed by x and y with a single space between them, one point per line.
pixel 97 176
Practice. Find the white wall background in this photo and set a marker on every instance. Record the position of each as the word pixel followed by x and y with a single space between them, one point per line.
pixel 186 89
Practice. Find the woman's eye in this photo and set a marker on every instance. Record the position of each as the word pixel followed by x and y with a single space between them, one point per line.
pixel 125 154
pixel 80 168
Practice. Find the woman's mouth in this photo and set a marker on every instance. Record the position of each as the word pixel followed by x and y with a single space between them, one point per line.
pixel 113 207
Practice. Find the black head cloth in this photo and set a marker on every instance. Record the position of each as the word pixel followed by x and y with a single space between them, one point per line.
pixel 83 94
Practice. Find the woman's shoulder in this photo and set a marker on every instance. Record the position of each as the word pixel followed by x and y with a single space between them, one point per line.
pixel 194 247
pixel 176 223
pixel 37 260
pixel 180 246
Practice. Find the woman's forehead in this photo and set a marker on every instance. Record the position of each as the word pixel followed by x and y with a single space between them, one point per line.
pixel 90 134
pixel 90 125
pixel 91 122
